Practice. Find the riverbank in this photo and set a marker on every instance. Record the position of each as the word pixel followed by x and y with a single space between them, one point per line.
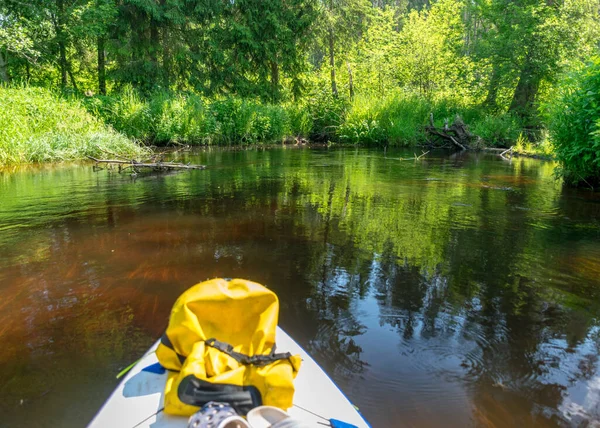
pixel 396 120
pixel 39 125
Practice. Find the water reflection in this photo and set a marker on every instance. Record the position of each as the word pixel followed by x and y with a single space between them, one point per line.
pixel 455 291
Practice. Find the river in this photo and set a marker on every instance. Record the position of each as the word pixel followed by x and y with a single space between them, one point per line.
pixel 458 290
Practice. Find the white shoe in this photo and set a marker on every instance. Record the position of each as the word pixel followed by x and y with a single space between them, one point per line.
pixel 269 416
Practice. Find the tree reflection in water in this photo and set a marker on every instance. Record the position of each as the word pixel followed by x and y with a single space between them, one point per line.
pixel 453 291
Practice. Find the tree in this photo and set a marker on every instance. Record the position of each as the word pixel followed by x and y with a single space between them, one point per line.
pixel 430 55
pixel 96 19
pixel 341 20
pixel 14 40
pixel 529 42
pixel 375 59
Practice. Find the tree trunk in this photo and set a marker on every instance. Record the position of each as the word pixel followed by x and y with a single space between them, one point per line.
pixel 63 64
pixel 332 63
pixel 526 92
pixel 62 49
pixel 490 100
pixel 166 58
pixel 70 71
pixel 4 77
pixel 101 67
pixel 274 81
pixel 350 82
pixel 154 47
pixel 154 41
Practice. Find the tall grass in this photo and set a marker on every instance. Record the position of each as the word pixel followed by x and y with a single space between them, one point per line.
pixel 37 125
pixel 396 120
pixel 189 118
pixel 573 117
pixel 399 120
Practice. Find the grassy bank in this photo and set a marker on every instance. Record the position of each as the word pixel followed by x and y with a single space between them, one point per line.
pixel 164 118
pixel 396 120
pixel 36 125
pixel 399 120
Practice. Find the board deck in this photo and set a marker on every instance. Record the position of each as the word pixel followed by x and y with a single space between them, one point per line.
pixel 138 400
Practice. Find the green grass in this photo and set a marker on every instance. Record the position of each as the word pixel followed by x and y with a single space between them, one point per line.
pixel 37 125
pixel 164 118
pixel 396 120
pixel 543 149
pixel 399 119
pixel 573 117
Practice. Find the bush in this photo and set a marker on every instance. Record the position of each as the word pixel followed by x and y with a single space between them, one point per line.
pixel 328 114
pixel 37 125
pixel 574 122
pixel 497 130
pixel 395 120
pixel 246 122
pixel 300 119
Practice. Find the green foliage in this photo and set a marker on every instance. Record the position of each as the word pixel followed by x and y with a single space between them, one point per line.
pixel 14 37
pixel 399 119
pixel 525 147
pixel 498 129
pixel 328 113
pixel 300 119
pixel 395 120
pixel 375 60
pixel 246 122
pixel 36 125
pixel 429 58
pixel 574 122
pixel 163 118
pixel 350 71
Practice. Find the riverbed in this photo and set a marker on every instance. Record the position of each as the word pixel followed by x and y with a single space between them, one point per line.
pixel 456 290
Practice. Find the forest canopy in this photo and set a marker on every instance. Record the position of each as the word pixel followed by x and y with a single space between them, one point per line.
pixel 507 54
pixel 353 71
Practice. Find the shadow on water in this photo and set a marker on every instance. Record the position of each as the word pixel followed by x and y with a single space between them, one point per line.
pixel 455 291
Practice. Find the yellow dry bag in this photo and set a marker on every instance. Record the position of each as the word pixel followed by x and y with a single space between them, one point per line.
pixel 220 346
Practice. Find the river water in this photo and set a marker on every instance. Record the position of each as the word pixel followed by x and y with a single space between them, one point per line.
pixel 457 290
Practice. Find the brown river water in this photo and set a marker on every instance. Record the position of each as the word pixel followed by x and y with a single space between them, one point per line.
pixel 459 290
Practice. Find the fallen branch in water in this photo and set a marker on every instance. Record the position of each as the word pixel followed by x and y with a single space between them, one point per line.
pixel 459 136
pixel 155 166
pixel 458 133
pixel 416 158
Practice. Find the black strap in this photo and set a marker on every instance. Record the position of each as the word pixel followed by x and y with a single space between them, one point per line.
pixel 167 342
pixel 255 360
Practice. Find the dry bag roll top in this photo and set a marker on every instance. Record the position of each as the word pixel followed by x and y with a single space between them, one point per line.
pixel 220 346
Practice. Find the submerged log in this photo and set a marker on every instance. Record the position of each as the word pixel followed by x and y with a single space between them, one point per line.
pixel 154 165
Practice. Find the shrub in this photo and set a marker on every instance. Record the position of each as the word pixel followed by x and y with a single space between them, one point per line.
pixel 300 120
pixel 497 130
pixel 328 113
pixel 574 122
